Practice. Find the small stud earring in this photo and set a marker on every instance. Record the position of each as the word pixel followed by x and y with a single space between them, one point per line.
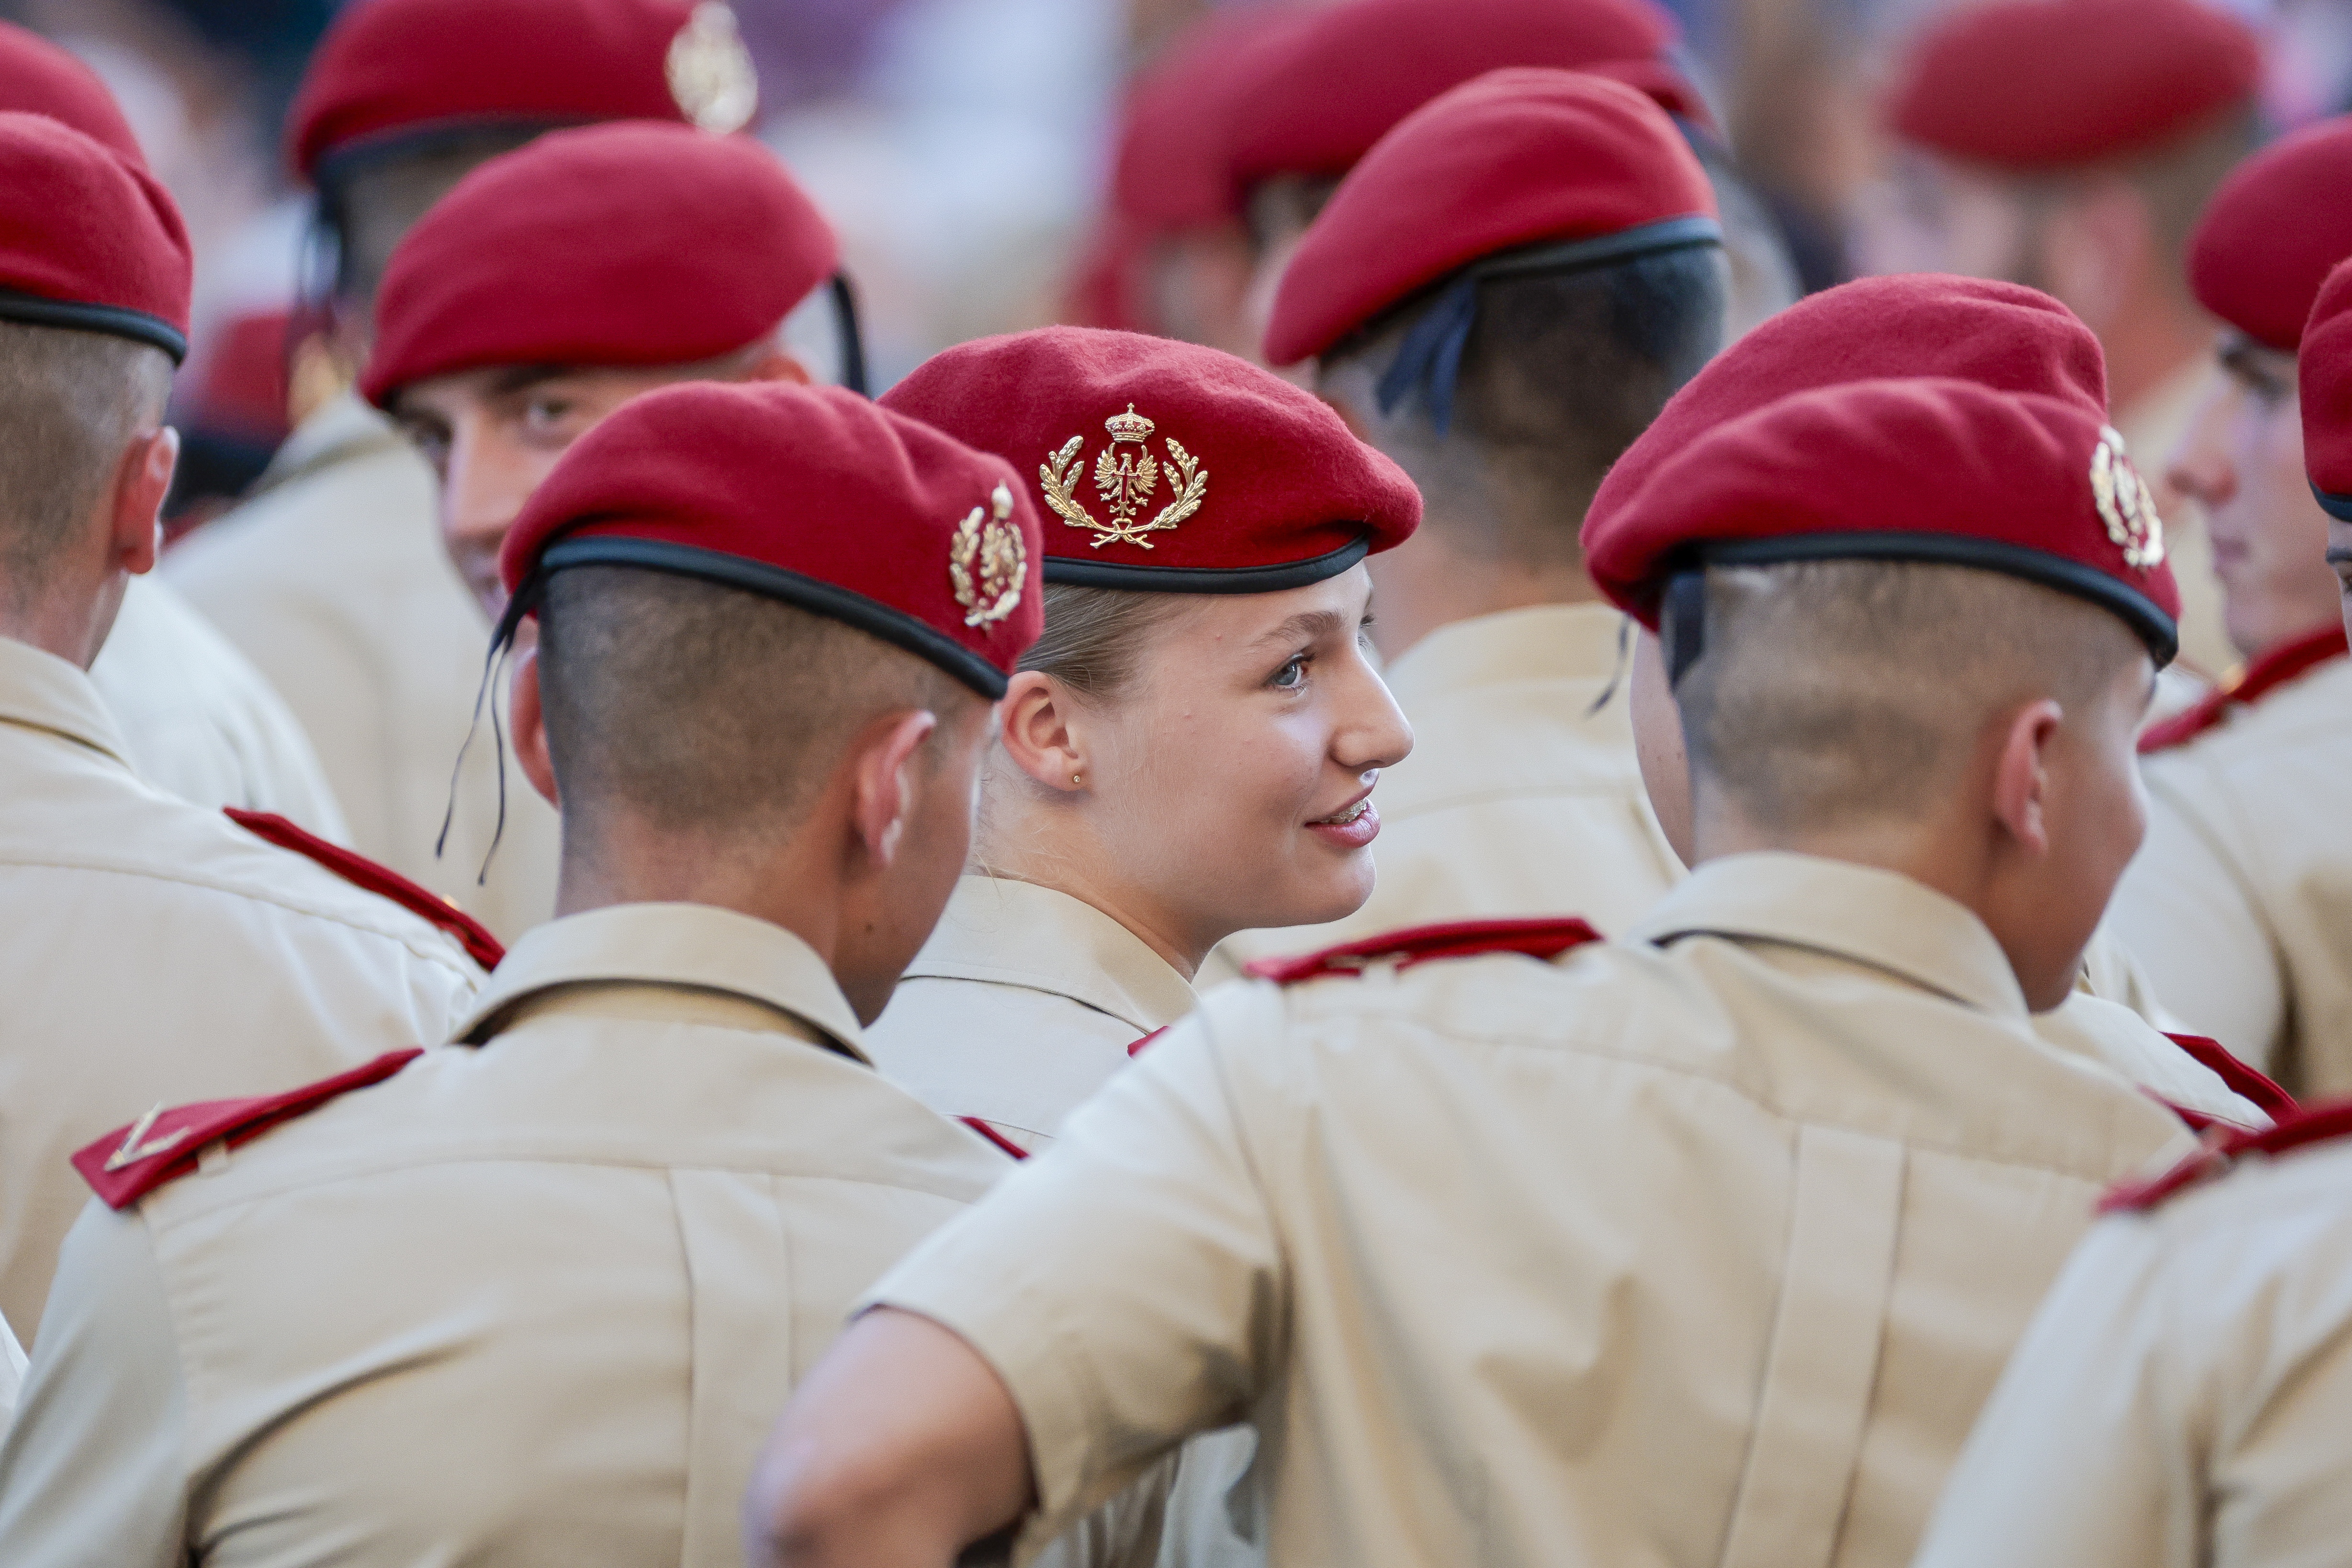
pixel 1078 780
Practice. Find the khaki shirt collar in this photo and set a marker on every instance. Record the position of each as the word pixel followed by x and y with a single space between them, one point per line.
pixel 41 691
pixel 1017 933
pixel 1861 914
pixel 343 428
pixel 694 947
pixel 1541 642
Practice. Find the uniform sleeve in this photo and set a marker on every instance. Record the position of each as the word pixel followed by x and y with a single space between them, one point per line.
pixel 11 1372
pixel 2081 1458
pixel 92 1472
pixel 1126 1284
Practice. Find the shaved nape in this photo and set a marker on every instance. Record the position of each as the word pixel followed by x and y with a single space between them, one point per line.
pixel 70 402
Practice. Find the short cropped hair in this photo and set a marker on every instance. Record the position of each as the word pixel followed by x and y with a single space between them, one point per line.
pixel 1835 692
pixel 1094 637
pixel 71 400
pixel 369 208
pixel 710 710
pixel 1561 372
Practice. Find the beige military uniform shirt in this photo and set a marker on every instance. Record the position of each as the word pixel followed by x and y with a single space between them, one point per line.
pixel 533 1303
pixel 1023 1003
pixel 200 721
pixel 332 581
pixel 2240 898
pixel 2181 1400
pixel 1702 1248
pixel 155 950
pixel 11 1373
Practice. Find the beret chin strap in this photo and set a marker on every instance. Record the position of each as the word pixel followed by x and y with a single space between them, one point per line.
pixel 853 342
pixel 524 601
pixel 1430 358
pixel 1681 624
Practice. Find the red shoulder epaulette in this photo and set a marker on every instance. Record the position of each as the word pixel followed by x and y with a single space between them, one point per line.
pixel 1136 1049
pixel 2248 1083
pixel 2314 1126
pixel 361 872
pixel 993 1136
pixel 2256 681
pixel 1543 937
pixel 132 1161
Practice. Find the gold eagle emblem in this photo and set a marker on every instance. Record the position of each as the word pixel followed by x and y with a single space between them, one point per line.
pixel 987 562
pixel 709 71
pixel 2126 503
pixel 1125 481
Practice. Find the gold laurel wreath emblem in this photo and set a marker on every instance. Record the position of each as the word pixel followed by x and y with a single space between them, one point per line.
pixel 1125 482
pixel 709 71
pixel 2126 503
pixel 988 563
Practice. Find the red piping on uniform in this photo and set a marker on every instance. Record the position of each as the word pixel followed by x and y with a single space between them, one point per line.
pixel 2256 681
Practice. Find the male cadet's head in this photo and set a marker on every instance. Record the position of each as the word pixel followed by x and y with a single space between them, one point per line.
pixel 94 281
pixel 2323 371
pixel 554 283
pixel 2261 252
pixel 1501 295
pixel 2000 335
pixel 1913 624
pixel 772 623
pixel 2069 144
pixel 403 98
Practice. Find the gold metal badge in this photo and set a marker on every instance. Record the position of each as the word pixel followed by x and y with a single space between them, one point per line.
pixel 988 563
pixel 2126 503
pixel 711 72
pixel 1125 485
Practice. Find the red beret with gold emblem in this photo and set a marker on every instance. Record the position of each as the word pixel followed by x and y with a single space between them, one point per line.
pixel 2045 84
pixel 1312 99
pixel 809 495
pixel 1558 169
pixel 633 243
pixel 1930 470
pixel 391 72
pixel 87 240
pixel 2273 231
pixel 39 77
pixel 2000 335
pixel 1168 467
pixel 2325 370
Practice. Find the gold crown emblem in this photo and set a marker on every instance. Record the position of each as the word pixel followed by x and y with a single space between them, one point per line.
pixel 987 563
pixel 1126 485
pixel 2126 503
pixel 709 71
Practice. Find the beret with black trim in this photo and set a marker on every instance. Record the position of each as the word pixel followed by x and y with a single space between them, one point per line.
pixel 1313 98
pixel 1168 467
pixel 2270 235
pixel 2325 370
pixel 1168 172
pixel 1587 168
pixel 633 243
pixel 39 77
pixel 2046 84
pixel 809 495
pixel 1930 470
pixel 87 240
pixel 389 73
pixel 2000 335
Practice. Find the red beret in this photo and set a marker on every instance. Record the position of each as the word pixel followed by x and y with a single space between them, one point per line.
pixel 2272 232
pixel 1516 158
pixel 633 243
pixel 2325 370
pixel 2000 335
pixel 87 240
pixel 391 70
pixel 39 77
pixel 1170 468
pixel 811 495
pixel 241 381
pixel 1931 470
pixel 1168 173
pixel 1312 99
pixel 2044 84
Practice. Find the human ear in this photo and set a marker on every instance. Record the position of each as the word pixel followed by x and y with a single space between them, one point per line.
pixel 527 717
pixel 141 483
pixel 1037 733
pixel 2021 783
pixel 886 789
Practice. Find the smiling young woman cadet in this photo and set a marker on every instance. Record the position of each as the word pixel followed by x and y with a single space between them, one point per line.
pixel 1192 747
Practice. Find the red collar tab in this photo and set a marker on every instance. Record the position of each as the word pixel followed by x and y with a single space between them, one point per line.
pixel 133 1161
pixel 2307 1127
pixel 2265 674
pixel 2246 1082
pixel 1136 1049
pixel 993 1136
pixel 1540 938
pixel 361 872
